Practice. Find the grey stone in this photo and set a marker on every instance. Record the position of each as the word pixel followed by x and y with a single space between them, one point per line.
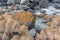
pixel 37 7
pixel 32 32
pixel 43 3
pixel 57 6
pixel 36 12
pixel 31 5
pixel 24 7
pixel 56 1
pixel 39 25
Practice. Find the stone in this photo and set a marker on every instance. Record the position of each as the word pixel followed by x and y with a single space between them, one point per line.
pixel 9 2
pixel 5 37
pixel 24 33
pixel 39 24
pixel 32 32
pixel 48 16
pixel 50 1
pixel 1 11
pixel 56 21
pixel 10 8
pixel 57 6
pixel 8 25
pixel 31 5
pixel 37 7
pixel 56 1
pixel 26 37
pixel 37 12
pixel 24 2
pixel 24 7
pixel 16 37
pixel 17 7
pixel 43 3
pixel 52 32
pixel 24 17
pixel 22 29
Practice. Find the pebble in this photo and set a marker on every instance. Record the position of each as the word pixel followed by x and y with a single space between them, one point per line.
pixel 32 32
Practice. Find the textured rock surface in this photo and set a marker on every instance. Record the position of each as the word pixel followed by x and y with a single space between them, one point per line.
pixel 43 3
pixel 52 32
pixel 25 17
pixel 10 27
pixel 29 19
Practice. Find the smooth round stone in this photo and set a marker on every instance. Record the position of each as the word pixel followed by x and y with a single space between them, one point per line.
pixel 32 32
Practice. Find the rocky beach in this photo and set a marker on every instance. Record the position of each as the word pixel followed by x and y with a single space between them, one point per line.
pixel 29 19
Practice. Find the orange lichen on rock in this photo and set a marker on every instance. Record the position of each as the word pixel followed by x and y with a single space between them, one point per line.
pixel 25 17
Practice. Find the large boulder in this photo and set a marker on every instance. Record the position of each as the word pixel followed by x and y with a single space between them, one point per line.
pixel 24 17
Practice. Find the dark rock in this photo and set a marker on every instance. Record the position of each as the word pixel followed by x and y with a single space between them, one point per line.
pixel 50 1
pixel 34 1
pixel 27 18
pixel 31 5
